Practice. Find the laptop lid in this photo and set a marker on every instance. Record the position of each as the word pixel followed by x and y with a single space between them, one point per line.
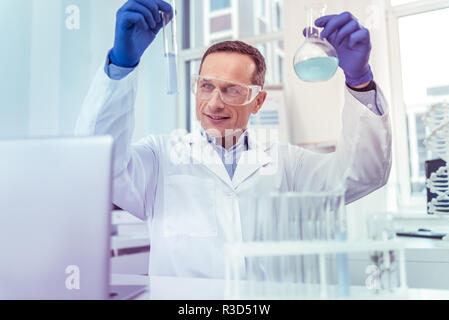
pixel 55 205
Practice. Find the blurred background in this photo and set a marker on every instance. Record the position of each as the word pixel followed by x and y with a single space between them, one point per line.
pixel 51 50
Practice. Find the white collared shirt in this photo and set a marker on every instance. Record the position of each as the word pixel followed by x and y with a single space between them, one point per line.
pixel 229 157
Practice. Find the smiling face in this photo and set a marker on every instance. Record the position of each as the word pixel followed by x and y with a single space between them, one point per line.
pixel 216 117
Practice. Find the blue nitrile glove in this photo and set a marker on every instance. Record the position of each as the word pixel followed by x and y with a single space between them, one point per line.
pixel 138 22
pixel 352 43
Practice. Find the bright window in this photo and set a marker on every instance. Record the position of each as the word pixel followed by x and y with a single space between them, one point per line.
pixel 418 79
pixel 420 37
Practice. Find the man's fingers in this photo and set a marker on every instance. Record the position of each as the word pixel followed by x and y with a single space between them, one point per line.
pixel 152 7
pixel 155 7
pixel 164 6
pixel 360 36
pixel 167 11
pixel 133 18
pixel 134 6
pixel 347 29
pixel 322 21
pixel 332 38
pixel 335 23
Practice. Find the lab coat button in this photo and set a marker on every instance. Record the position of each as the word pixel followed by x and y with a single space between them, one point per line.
pixel 370 106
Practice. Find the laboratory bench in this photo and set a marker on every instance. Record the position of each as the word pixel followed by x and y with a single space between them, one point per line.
pixel 427 260
pixel 172 288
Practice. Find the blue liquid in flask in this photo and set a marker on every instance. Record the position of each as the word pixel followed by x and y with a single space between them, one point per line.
pixel 172 75
pixel 317 69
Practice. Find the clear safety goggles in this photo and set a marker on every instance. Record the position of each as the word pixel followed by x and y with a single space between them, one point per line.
pixel 231 93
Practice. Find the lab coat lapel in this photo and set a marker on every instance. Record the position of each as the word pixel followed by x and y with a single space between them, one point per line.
pixel 203 153
pixel 251 160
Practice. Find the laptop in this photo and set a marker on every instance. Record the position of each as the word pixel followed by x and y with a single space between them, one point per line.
pixel 55 219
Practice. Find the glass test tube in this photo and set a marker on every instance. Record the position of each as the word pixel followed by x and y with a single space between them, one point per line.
pixel 170 49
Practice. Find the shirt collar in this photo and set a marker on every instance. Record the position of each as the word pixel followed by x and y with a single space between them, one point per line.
pixel 242 141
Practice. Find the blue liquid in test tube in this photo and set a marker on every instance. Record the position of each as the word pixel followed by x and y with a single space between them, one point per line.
pixel 170 50
pixel 172 74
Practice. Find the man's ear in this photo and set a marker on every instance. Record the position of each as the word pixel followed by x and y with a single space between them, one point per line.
pixel 259 102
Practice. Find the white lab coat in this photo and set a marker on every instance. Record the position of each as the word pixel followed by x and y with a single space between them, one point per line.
pixel 181 187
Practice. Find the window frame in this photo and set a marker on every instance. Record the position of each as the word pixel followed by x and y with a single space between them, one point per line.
pixel 262 18
pixel 274 8
pixel 208 15
pixel 408 204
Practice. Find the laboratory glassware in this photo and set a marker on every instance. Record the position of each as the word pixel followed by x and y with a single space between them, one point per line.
pixel 380 227
pixel 316 59
pixel 170 49
pixel 291 217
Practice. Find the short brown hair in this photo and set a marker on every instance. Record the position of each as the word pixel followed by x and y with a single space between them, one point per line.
pixel 243 48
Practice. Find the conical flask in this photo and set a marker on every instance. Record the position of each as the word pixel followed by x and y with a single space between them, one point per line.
pixel 316 59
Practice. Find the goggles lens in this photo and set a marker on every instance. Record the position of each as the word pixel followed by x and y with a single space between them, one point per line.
pixel 231 93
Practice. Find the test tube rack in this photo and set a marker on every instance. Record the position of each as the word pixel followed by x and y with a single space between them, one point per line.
pixel 238 288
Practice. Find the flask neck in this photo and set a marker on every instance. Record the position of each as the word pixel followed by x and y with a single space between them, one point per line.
pixel 314 12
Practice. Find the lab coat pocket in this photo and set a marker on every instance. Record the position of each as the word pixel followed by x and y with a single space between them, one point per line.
pixel 189 207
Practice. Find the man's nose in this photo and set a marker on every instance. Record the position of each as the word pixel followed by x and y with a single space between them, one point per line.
pixel 215 100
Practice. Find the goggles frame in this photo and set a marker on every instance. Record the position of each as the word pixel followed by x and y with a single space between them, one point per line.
pixel 253 90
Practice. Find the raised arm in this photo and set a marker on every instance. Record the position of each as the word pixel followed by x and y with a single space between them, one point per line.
pixel 362 161
pixel 108 108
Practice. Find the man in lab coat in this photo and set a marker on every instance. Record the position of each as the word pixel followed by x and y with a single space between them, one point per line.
pixel 189 186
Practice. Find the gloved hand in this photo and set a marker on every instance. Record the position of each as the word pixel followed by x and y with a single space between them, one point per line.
pixel 352 43
pixel 137 23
